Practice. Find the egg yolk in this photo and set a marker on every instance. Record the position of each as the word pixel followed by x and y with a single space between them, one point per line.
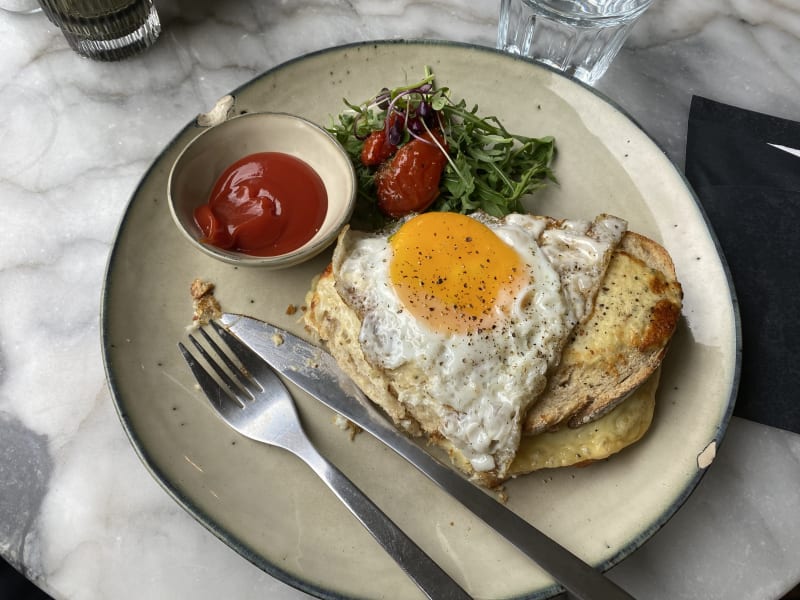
pixel 453 272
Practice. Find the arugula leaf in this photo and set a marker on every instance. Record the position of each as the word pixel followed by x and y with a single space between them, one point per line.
pixel 489 168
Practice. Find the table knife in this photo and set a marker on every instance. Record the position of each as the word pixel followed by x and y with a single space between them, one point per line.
pixel 315 371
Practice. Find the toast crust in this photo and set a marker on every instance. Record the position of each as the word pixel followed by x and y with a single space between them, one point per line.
pixel 619 345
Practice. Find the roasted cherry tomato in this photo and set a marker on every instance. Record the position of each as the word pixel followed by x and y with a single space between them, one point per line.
pixel 409 182
pixel 378 147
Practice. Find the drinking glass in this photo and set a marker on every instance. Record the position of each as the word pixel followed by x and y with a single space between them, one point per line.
pixel 105 29
pixel 577 37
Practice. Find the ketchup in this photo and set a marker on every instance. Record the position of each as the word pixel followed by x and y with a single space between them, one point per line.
pixel 265 204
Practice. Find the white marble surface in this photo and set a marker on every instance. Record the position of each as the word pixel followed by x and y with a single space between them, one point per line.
pixel 79 513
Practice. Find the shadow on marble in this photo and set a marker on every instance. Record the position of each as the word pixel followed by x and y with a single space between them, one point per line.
pixel 14 585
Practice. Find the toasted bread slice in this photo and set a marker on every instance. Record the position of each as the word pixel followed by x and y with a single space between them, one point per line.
pixel 480 435
pixel 338 326
pixel 621 343
pixel 618 346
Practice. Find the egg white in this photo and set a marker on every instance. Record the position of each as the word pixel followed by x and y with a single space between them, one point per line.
pixel 477 383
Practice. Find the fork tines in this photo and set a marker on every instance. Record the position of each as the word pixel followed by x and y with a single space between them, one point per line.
pixel 233 381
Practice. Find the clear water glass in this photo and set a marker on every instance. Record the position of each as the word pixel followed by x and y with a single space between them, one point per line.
pixel 577 37
pixel 105 29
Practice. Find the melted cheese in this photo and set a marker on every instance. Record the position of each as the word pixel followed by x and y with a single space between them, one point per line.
pixel 598 440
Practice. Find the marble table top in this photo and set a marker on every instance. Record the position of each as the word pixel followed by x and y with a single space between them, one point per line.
pixel 79 513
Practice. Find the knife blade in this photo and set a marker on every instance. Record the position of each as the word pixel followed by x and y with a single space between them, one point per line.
pixel 315 371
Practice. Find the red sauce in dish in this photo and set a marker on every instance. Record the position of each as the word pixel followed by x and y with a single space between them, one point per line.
pixel 265 204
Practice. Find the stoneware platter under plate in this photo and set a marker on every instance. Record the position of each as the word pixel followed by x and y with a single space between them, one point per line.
pixel 271 508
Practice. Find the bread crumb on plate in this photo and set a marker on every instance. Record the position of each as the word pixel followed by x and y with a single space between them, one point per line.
pixel 205 307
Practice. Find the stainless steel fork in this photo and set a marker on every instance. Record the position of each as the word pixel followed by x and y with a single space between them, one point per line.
pixel 252 399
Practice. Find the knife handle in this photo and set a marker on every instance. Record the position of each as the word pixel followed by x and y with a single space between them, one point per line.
pixel 580 580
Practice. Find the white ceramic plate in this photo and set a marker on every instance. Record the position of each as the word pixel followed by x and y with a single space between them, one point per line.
pixel 265 503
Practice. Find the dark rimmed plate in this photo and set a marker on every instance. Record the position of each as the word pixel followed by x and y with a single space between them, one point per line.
pixel 265 503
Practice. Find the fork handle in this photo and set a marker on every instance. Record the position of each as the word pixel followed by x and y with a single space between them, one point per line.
pixel 429 577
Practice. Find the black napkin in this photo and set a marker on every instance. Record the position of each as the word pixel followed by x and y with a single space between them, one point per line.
pixel 751 193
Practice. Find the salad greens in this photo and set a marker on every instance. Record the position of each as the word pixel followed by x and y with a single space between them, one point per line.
pixel 489 168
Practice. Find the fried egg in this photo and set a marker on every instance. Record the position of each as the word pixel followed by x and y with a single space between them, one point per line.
pixel 465 316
